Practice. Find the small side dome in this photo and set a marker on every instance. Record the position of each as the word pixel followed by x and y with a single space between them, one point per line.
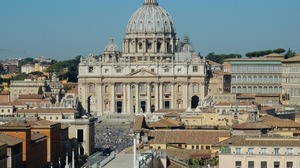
pixel 111 46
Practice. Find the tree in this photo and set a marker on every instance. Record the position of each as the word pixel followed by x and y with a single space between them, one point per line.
pixel 289 54
pixel 220 58
pixel 265 52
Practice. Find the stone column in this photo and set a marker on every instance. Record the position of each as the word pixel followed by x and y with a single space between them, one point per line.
pixel 100 98
pixel 124 85
pixel 186 96
pixel 160 95
pixel 137 98
pixel 129 104
pixel 156 96
pixel 113 97
pixel 148 110
pixel 173 92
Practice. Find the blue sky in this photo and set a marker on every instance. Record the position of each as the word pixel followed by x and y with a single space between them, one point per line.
pixel 63 29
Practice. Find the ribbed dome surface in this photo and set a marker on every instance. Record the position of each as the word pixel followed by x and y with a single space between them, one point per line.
pixel 150 18
pixel 111 46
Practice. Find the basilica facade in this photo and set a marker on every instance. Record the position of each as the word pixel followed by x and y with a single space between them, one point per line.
pixel 154 70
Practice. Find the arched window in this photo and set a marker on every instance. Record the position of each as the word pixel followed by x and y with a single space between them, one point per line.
pixel 244 90
pixel 260 89
pixel 260 79
pixel 238 89
pixel 276 79
pixel 265 89
pixel 250 89
pixel 254 79
pixel 254 89
pixel 233 89
pixel 271 79
pixel 239 79
pixel 270 89
pixel 244 79
pixel 233 79
pixel 276 90
pixel 195 87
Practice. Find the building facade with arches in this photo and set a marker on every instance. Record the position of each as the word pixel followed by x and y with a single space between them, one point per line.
pixel 148 74
pixel 260 75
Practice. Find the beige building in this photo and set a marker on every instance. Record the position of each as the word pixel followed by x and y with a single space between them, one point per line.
pixel 262 152
pixel 291 81
pixel 146 76
pixel 25 87
pixel 256 75
pixel 184 139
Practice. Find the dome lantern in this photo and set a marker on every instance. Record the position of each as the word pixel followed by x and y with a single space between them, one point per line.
pixel 150 2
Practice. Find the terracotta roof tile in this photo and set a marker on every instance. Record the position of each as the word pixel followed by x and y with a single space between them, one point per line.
pixel 186 136
pixel 167 122
pixel 139 123
pixel 15 123
pixel 48 110
pixel 259 141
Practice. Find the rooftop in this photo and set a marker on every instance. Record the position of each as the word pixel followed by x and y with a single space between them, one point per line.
pixel 10 140
pixel 259 141
pixel 186 136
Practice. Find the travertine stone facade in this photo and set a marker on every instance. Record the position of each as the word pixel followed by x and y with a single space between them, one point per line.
pixel 291 80
pixel 146 76
pixel 256 75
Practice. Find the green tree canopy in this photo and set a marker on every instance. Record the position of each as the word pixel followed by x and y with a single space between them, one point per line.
pixel 66 69
pixel 289 54
pixel 265 52
pixel 220 58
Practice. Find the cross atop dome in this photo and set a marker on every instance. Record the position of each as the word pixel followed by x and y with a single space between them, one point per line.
pixel 150 2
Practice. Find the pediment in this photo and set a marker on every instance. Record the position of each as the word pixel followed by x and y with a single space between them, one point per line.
pixel 141 72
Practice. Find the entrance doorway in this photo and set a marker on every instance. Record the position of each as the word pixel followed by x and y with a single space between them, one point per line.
pixel 194 102
pixel 119 106
pixel 143 106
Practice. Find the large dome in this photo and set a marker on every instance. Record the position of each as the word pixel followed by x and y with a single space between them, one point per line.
pixel 150 18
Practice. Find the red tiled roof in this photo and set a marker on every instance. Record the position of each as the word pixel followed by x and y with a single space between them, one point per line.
pixel 166 123
pixel 186 136
pixel 49 110
pixel 139 123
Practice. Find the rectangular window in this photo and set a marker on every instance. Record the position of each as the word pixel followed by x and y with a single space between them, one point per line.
pixel 250 150
pixel 106 70
pixel 152 70
pixel 289 164
pixel 276 151
pixel 250 164
pixel 179 70
pixel 289 151
pixel 276 164
pixel 91 69
pixel 238 150
pixel 167 70
pixel 263 164
pixel 132 70
pixel 195 68
pixel 238 164
pixel 263 150
pixel 118 70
